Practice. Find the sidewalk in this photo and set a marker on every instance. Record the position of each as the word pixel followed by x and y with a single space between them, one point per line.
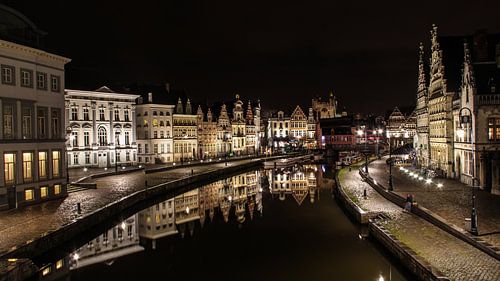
pixel 21 225
pixel 455 258
pixel 452 201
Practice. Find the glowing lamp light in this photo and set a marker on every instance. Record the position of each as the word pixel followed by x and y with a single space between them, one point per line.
pixel 85 169
pixel 380 131
pixel 230 198
pixel 76 256
pixel 428 181
pixel 360 132
pixel 381 278
pixel 187 210
pixel 123 168
pixel 140 166
pixel 260 190
pixel 123 225
pixel 460 133
pixel 401 168
pixel 105 169
pixel 420 178
pixel 201 161
pixel 173 164
pixel 374 182
pixel 439 185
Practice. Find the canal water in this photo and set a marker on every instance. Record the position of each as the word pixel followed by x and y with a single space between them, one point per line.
pixel 276 224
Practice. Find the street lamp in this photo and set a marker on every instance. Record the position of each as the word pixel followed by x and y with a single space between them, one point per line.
pixel 390 162
pixel 70 137
pixel 467 119
pixel 360 133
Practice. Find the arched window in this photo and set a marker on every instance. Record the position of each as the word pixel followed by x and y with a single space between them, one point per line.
pixel 167 113
pixel 155 122
pixel 162 124
pixel 161 113
pixel 168 123
pixel 103 136
pixel 155 113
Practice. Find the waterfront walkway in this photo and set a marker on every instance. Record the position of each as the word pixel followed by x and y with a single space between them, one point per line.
pixel 452 201
pixel 456 259
pixel 25 224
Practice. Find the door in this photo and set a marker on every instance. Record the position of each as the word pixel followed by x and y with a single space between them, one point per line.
pixel 11 197
pixel 103 159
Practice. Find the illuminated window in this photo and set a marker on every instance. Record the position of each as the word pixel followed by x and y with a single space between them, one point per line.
pixel 8 76
pixel 27 166
pixel 57 189
pixel 117 115
pixel 9 162
pixel 59 264
pixel 56 163
pixel 29 194
pixel 42 165
pixel 101 114
pixel 43 192
pixel 46 271
pixel 103 136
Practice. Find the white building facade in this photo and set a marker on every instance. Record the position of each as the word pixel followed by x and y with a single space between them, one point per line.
pixel 32 135
pixel 102 128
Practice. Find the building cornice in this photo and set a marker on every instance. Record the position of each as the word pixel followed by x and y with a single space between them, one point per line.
pixel 32 51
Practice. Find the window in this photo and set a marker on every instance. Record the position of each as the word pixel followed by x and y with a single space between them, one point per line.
pixel 57 189
pixel 126 116
pixel 155 134
pixel 103 137
pixel 146 148
pixel 494 129
pixel 127 156
pixel 117 115
pixel 55 81
pixel 9 162
pixel 86 114
pixel 74 113
pixel 117 138
pixel 162 134
pixel 75 159
pixel 59 264
pixel 139 148
pixel 41 123
pixel 8 122
pixel 155 148
pixel 27 166
pixel 127 138
pixel 26 78
pixel 86 138
pixel 8 75
pixel 101 114
pixel 155 122
pixel 87 158
pixel 43 192
pixel 56 163
pixel 162 148
pixel 26 123
pixel 41 81
pixel 42 165
pixel 29 195
pixel 56 123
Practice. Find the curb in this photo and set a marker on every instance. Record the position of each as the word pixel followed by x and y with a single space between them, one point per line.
pixel 433 218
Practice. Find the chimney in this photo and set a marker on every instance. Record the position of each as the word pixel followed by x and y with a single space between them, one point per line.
pixel 150 97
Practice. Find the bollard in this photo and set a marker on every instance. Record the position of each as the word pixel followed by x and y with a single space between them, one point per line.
pixel 78 208
pixel 192 172
pixel 364 193
pixel 146 183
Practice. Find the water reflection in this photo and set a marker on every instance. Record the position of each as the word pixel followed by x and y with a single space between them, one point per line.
pixel 237 200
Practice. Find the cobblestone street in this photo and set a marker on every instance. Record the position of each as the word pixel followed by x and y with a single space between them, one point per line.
pixel 21 225
pixel 452 201
pixel 455 258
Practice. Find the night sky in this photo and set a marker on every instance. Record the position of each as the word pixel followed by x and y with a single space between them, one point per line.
pixel 284 52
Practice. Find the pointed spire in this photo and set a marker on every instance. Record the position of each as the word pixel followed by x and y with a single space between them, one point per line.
pixel 249 114
pixel 199 111
pixel 178 108
pixel 189 110
pixel 209 115
pixel 422 83
pixel 468 70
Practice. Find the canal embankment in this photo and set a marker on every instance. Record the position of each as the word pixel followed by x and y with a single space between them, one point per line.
pixel 426 250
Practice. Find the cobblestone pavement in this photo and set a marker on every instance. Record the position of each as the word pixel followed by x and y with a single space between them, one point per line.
pixel 455 258
pixel 452 201
pixel 24 224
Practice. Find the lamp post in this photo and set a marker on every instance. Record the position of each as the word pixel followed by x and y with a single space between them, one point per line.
pixel 467 119
pixel 70 138
pixel 390 162
pixel 360 133
pixel 378 132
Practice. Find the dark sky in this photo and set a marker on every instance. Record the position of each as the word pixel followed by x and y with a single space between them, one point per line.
pixel 283 52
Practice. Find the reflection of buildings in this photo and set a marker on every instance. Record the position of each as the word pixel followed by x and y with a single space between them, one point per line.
pixel 118 241
pixel 157 221
pixel 297 181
